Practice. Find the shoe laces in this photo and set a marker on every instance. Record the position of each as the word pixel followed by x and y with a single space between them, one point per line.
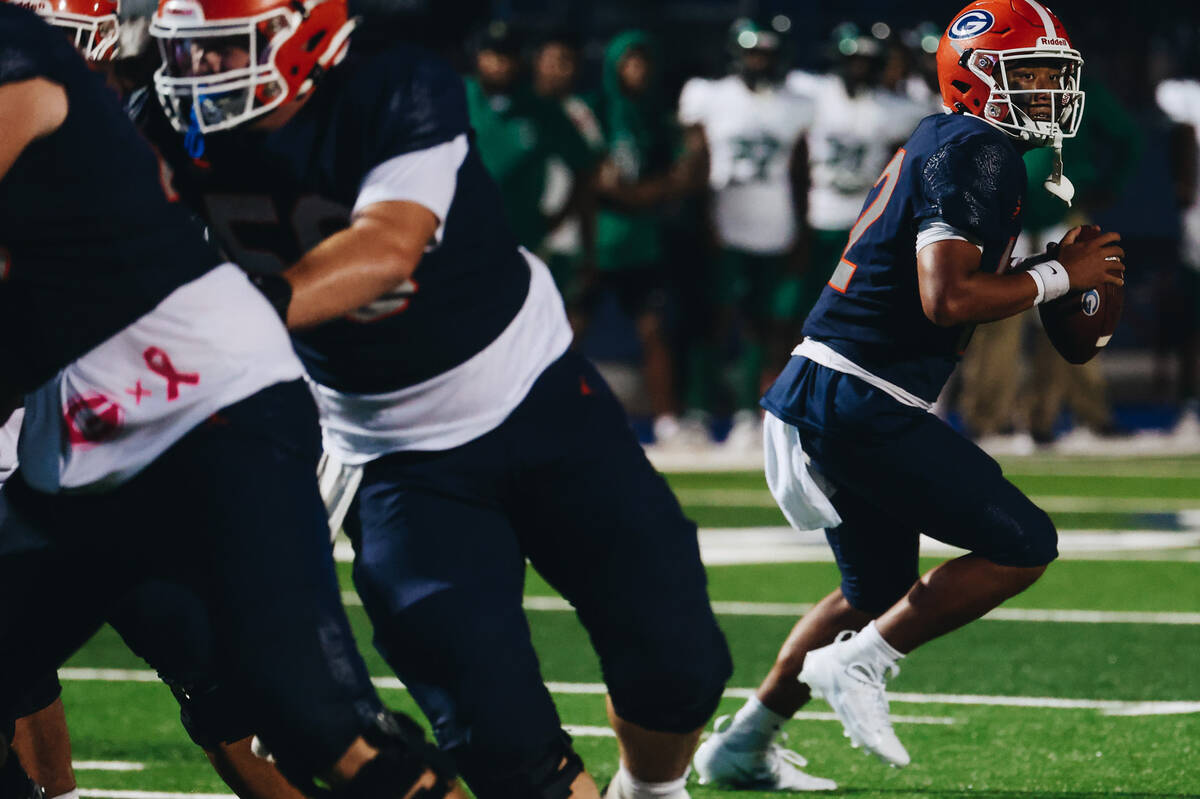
pixel 778 756
pixel 872 679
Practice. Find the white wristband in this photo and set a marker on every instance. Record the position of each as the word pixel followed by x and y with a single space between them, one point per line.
pixel 1041 286
pixel 1052 281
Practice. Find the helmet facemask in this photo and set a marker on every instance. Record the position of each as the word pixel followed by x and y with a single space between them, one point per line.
pixel 95 38
pixel 215 77
pixel 1011 109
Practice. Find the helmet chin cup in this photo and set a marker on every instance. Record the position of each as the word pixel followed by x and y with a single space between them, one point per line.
pixel 1062 188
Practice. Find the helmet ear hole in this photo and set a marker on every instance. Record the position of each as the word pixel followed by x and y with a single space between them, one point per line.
pixel 315 41
pixel 961 85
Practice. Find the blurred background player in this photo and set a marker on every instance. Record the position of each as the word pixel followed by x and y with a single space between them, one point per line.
pixel 519 133
pixel 1179 99
pixel 858 123
pixel 555 75
pixel 106 304
pixel 744 138
pixel 850 445
pixel 635 180
pixel 440 358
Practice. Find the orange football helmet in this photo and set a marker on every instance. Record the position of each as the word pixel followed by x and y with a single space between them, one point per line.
pixel 92 24
pixel 227 62
pixel 989 38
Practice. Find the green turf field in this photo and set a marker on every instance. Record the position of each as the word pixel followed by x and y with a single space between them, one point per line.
pixel 1087 685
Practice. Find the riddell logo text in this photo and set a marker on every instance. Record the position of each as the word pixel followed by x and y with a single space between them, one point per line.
pixel 1047 42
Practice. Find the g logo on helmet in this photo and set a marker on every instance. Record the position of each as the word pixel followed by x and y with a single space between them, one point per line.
pixel 971 24
pixel 1091 302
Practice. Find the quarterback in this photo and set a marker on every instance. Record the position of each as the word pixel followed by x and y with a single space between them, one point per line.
pixel 850 444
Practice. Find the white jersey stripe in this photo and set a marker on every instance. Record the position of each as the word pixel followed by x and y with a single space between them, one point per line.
pixel 1045 15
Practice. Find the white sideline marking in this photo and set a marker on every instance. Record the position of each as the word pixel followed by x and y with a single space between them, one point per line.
pixel 761 498
pixel 150 794
pixel 1113 706
pixel 107 765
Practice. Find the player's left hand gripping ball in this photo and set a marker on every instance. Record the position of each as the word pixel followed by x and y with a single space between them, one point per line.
pixel 1080 323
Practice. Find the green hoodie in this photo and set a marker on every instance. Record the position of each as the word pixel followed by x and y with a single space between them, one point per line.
pixel 641 141
pixel 517 134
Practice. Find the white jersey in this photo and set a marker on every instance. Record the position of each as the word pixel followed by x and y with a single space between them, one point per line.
pixel 849 144
pixel 1180 100
pixel 751 135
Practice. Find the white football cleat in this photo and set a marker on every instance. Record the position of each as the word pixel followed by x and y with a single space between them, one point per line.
pixel 773 769
pixel 854 688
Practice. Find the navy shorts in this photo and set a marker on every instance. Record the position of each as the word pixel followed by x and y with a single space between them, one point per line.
pixel 898 472
pixel 232 513
pixel 442 539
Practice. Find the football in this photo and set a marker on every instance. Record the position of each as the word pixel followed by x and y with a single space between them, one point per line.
pixel 1080 323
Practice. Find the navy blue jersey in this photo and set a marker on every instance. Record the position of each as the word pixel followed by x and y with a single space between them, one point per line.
pixel 956 170
pixel 90 241
pixel 270 197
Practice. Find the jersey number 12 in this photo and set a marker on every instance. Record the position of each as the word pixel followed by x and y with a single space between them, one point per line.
pixel 845 268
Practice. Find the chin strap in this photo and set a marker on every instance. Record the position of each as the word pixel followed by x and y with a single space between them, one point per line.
pixel 1057 183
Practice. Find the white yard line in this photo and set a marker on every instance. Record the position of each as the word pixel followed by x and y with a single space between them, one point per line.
pixel 107 765
pixel 726 546
pixel 1110 706
pixel 797 609
pixel 761 498
pixel 553 603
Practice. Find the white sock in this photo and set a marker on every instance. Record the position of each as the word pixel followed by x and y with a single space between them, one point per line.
pixel 627 786
pixel 754 726
pixel 870 642
pixel 71 794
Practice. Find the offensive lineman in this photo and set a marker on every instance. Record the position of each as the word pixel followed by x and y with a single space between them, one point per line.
pixel 481 439
pixel 849 443
pixel 111 291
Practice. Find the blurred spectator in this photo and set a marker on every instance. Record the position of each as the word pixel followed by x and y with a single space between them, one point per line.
pixel 1180 101
pixel 518 133
pixel 745 140
pixel 555 70
pixel 858 126
pixel 1099 160
pixel 632 184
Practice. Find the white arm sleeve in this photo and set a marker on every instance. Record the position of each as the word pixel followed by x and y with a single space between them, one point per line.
pixel 937 230
pixel 427 177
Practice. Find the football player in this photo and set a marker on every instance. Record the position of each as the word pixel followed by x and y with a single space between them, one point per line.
pixel 850 445
pixel 154 375
pixel 438 353
pixel 747 129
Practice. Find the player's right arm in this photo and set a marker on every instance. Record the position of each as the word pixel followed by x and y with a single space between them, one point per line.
pixel 377 252
pixel 29 110
pixel 955 292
